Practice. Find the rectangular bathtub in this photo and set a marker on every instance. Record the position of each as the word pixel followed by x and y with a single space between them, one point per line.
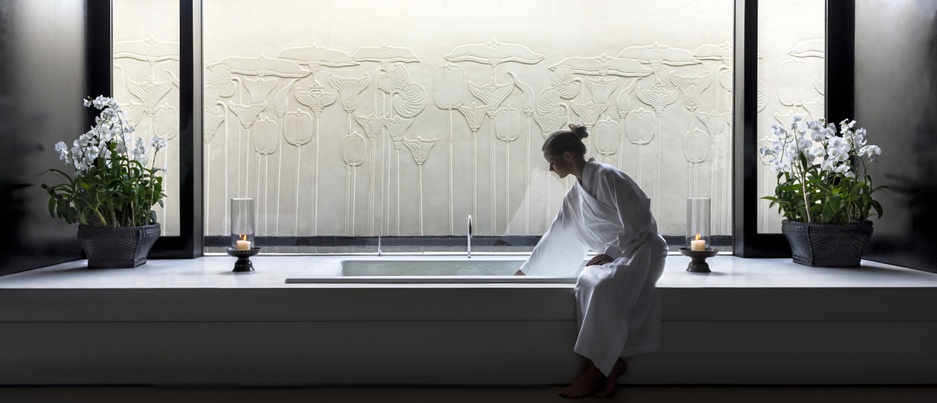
pixel 410 269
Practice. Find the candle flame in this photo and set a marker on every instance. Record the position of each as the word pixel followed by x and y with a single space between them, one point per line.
pixel 697 237
pixel 243 237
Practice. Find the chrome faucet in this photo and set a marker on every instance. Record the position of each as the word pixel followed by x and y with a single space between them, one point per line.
pixel 468 236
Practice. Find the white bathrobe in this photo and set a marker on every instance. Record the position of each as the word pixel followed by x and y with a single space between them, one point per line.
pixel 619 309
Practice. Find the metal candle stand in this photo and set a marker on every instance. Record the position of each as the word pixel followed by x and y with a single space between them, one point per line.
pixel 242 234
pixel 698 240
pixel 698 259
pixel 243 264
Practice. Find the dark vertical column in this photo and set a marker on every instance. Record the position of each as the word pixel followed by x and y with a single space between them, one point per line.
pixel 747 242
pixel 745 115
pixel 190 121
pixel 198 109
pixel 190 240
pixel 99 64
pixel 840 60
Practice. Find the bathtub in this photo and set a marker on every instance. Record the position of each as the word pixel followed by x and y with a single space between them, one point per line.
pixel 425 269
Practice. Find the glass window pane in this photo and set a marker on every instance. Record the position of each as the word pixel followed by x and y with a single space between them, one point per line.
pixel 146 83
pixel 791 75
pixel 360 118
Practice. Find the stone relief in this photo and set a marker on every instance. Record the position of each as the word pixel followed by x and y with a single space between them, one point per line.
pixel 281 128
pixel 492 94
pixel 797 77
pixel 145 83
pixel 583 85
pixel 419 151
pixel 354 153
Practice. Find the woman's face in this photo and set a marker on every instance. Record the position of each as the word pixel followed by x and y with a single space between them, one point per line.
pixel 559 163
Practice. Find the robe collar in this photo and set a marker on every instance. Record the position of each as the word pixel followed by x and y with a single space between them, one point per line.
pixel 588 170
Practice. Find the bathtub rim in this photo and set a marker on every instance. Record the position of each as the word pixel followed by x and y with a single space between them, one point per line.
pixel 327 271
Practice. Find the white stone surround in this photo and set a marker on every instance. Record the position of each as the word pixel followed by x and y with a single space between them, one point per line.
pixel 193 322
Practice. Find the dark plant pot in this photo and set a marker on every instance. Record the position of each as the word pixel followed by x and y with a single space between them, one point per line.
pixel 827 245
pixel 121 247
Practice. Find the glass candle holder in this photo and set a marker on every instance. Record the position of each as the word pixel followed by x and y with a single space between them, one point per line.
pixel 698 224
pixel 242 224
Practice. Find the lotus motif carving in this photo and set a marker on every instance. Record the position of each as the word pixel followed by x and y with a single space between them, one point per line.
pixel 494 53
pixel 658 96
pixel 607 136
pixel 349 88
pixel 264 136
pixel 297 128
pixel 316 98
pixel 474 115
pixel 354 149
pixel 508 124
pixel 397 129
pixel 371 124
pixel 641 126
pixel 449 85
pixel 410 101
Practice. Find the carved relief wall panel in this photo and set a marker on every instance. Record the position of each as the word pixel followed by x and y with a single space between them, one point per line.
pixel 367 117
pixel 791 75
pixel 146 83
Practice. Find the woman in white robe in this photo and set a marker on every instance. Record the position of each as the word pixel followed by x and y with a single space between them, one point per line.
pixel 605 211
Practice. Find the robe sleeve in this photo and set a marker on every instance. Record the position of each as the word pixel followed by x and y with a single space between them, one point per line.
pixel 633 208
pixel 560 252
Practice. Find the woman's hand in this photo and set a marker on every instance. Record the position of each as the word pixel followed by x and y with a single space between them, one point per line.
pixel 600 260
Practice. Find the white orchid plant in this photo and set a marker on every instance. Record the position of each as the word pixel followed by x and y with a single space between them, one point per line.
pixel 822 172
pixel 111 184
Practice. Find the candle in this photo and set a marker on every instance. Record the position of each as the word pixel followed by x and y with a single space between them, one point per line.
pixel 243 243
pixel 698 245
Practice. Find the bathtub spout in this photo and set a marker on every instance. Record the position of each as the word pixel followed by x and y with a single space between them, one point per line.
pixel 468 236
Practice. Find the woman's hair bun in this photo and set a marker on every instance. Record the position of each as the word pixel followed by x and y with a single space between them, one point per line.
pixel 578 130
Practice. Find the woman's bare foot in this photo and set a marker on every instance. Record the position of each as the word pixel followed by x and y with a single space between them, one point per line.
pixel 618 370
pixel 588 382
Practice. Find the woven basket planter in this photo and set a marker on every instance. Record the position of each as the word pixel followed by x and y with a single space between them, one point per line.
pixel 827 245
pixel 121 247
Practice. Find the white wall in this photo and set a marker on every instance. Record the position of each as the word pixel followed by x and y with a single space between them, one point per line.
pixel 146 82
pixel 791 76
pixel 652 81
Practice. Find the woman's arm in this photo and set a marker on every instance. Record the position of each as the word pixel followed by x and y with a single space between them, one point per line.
pixel 560 251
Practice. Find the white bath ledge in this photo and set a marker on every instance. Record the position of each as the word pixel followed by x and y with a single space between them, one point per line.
pixel 194 322
pixel 273 271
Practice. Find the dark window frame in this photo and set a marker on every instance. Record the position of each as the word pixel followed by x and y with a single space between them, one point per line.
pixel 188 244
pixel 839 103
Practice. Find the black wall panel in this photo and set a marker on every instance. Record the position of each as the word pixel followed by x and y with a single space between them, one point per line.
pixel 42 83
pixel 896 101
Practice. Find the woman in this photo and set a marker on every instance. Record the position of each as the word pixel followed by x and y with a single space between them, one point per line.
pixel 618 306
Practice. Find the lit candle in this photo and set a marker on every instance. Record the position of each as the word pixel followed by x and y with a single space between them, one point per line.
pixel 244 244
pixel 698 245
